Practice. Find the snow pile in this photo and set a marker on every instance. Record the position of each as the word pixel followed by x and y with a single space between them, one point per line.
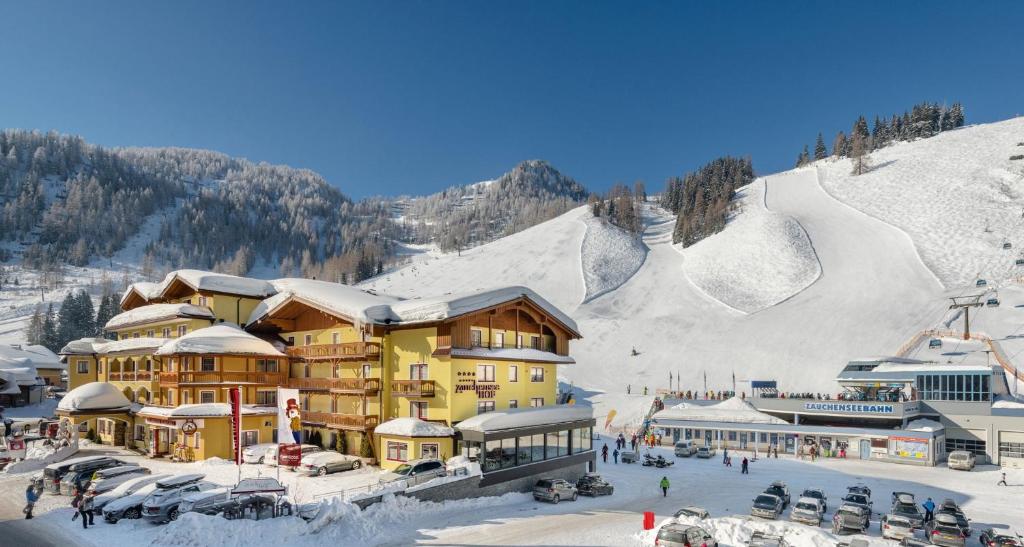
pixel 957 195
pixel 525 417
pixel 760 259
pixel 200 280
pixel 413 427
pixel 738 531
pixel 609 256
pixel 156 312
pixel 924 424
pixel 39 456
pixel 734 410
pixel 141 344
pixel 94 396
pixel 344 300
pixel 223 339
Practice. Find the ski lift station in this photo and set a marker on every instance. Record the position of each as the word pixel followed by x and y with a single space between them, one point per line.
pixel 911 411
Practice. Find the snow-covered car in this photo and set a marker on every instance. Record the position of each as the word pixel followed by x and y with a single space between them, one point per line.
pixel 629 456
pixel 780 490
pixel 554 490
pixel 270 457
pixel 416 471
pixel 818 494
pixel 904 505
pixel 257 453
pixel 862 489
pixel 858 499
pixel 934 343
pixel 705 452
pixel 767 506
pixel 807 511
pixel 162 505
pixel 128 506
pixel 126 488
pixel 54 473
pixel 961 460
pixel 81 476
pixel 594 485
pixel 322 463
pixel 692 511
pixel 851 518
pixel 949 507
pixel 203 501
pixel 896 527
pixel 944 530
pixel 110 478
pixel 763 539
pixel 990 537
pixel 683 535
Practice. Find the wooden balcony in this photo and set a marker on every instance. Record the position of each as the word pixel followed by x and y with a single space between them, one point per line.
pixel 131 376
pixel 336 352
pixel 344 386
pixel 351 422
pixel 224 377
pixel 412 388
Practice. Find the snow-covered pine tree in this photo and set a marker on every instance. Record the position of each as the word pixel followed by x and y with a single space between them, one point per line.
pixel 50 338
pixel 839 145
pixel 820 152
pixel 34 332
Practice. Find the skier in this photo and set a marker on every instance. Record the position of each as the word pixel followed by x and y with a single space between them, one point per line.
pixel 1002 482
pixel 615 455
pixel 743 469
pixel 645 390
pixel 604 453
pixel 32 493
pixel 664 487
pixel 929 510
pixel 627 389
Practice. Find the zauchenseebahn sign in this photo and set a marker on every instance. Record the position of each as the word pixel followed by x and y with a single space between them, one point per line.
pixel 850 408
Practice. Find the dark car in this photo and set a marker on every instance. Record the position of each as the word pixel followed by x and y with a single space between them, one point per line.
pixel 859 489
pixel 943 530
pixel 594 485
pixel 859 500
pixel 949 507
pixel 780 490
pixel 767 506
pixel 991 537
pixel 818 494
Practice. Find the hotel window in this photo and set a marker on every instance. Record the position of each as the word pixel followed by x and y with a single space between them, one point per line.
pixel 150 334
pixel 186 397
pixel 269 398
pixel 398 452
pixel 182 330
pixel 485 373
pixel 291 340
pixel 418 371
pixel 519 340
pixel 484 406
pixel 202 300
pixel 266 365
pixel 135 335
pixel 537 401
pixel 207 397
pixel 535 342
pixel 429 450
pixel 513 373
pixel 499 339
pixel 83 367
pixel 336 371
pixel 170 397
pixel 307 340
pixel 418 409
pixel 166 332
pixel 536 374
pixel 208 365
pixel 476 338
pixel 149 365
pixel 366 370
pixel 250 438
pixel 513 403
pixel 335 338
pixel 304 401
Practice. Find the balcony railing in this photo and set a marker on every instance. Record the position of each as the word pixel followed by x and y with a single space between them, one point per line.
pixel 353 422
pixel 347 350
pixel 359 386
pixel 223 376
pixel 130 376
pixel 412 388
pixel 541 346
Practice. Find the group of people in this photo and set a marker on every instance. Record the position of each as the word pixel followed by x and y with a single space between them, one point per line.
pixel 82 500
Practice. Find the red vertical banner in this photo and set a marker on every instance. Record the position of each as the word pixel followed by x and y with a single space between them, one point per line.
pixel 236 423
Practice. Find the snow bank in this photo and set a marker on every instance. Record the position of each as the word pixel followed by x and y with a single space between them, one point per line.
pixel 39 456
pixel 924 424
pixel 413 427
pixel 609 256
pixel 200 280
pixel 525 417
pixel 760 259
pixel 156 312
pixel 733 410
pixel 738 530
pixel 94 396
pixel 224 338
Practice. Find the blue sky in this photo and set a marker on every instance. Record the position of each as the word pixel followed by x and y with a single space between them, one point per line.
pixel 411 97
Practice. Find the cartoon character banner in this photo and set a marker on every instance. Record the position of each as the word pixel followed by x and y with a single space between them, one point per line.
pixel 289 417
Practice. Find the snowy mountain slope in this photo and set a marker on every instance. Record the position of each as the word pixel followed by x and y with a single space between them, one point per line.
pixel 609 256
pixel 761 259
pixel 945 192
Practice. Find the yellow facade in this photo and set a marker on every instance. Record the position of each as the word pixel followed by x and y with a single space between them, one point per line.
pixel 395 450
pixel 170 328
pixel 81 370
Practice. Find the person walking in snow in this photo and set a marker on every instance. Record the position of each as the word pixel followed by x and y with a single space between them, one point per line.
pixel 632 443
pixel 1002 481
pixel 615 456
pixel 725 455
pixel 929 510
pixel 743 466
pixel 32 493
pixel 627 389
pixel 664 487
pixel 645 390
pixel 604 453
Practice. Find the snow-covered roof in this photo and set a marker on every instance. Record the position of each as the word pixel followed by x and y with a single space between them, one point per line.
pixel 38 356
pixel 439 308
pixel 344 300
pixel 413 427
pixel 733 410
pixel 156 312
pixel 203 410
pixel 18 371
pixel 515 354
pixel 200 280
pixel 525 417
pixel 94 396
pixel 142 344
pixel 924 424
pixel 224 338
pixel 83 346
pixel 145 289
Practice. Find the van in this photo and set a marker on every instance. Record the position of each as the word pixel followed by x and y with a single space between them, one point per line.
pixel 685 448
pixel 53 473
pixel 961 459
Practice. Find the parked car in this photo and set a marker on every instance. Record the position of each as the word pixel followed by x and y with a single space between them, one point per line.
pixel 322 463
pixel 200 502
pixel 859 489
pixel 692 511
pixel 257 453
pixel 779 488
pixel 961 459
pixel 896 527
pixel 126 488
pixel 110 478
pixel 762 539
pixel 629 456
pixel 80 476
pixel 768 506
pixel 53 473
pixel 913 542
pixel 705 452
pixel 859 500
pixel 554 490
pixel 851 518
pixel 950 507
pixel 944 530
pixel 416 471
pixel 683 535
pixel 162 505
pixel 817 494
pixel 594 485
pixel 129 506
pixel 685 448
pixel 991 537
pixel 808 511
pixel 270 457
pixel 904 505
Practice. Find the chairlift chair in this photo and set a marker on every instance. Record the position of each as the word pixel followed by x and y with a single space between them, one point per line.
pixel 1020 262
pixel 935 343
pixel 1007 245
pixel 980 283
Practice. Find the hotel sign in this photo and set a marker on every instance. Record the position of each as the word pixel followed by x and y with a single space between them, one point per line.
pixel 851 408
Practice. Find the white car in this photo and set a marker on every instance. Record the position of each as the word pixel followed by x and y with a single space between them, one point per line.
pixel 270 458
pixel 322 463
pixel 256 453
pixel 126 488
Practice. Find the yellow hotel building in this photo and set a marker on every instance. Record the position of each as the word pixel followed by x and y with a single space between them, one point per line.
pixel 357 359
